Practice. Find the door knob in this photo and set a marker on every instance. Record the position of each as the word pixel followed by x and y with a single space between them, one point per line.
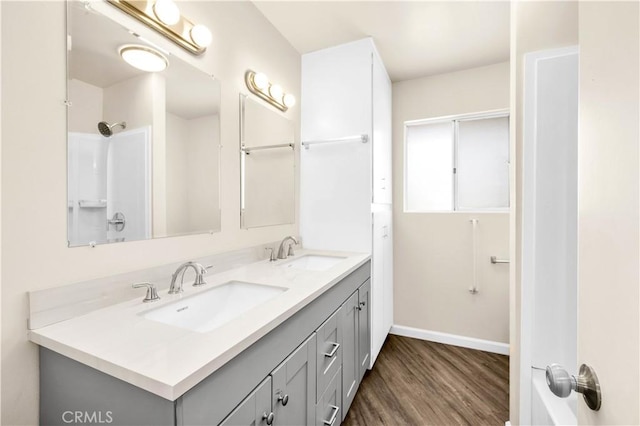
pixel 562 383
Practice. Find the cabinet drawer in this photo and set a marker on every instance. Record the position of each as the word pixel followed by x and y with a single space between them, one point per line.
pixel 255 409
pixel 329 407
pixel 329 351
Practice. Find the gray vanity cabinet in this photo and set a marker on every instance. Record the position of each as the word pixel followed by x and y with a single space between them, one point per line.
pixel 294 387
pixel 277 374
pixel 364 327
pixel 255 409
pixel 350 356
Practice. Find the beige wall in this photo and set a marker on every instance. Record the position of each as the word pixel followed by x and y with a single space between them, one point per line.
pixel 609 208
pixel 87 106
pixel 34 234
pixel 432 251
pixel 534 26
pixel 176 166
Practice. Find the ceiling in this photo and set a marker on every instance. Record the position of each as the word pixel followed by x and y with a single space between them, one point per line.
pixel 414 38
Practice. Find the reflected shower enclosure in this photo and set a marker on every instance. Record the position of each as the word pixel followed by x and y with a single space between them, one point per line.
pixel 109 187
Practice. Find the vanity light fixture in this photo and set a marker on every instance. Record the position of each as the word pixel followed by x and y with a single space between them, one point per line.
pixel 143 57
pixel 164 17
pixel 259 85
pixel 167 11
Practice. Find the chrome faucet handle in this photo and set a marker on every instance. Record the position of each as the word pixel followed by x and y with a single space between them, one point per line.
pixel 201 271
pixel 152 292
pixel 272 254
pixel 290 252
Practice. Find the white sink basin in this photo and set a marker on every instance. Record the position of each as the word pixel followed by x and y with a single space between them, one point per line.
pixel 211 309
pixel 314 262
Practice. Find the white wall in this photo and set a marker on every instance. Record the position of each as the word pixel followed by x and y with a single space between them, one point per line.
pixel 432 251
pixel 534 26
pixel 34 235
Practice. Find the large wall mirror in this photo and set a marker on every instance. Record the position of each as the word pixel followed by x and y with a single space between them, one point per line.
pixel 143 147
pixel 267 166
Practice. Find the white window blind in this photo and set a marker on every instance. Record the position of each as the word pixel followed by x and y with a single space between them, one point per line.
pixel 461 164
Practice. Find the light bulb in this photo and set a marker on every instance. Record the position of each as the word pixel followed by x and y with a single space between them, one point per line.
pixel 201 35
pixel 167 11
pixel 260 80
pixel 276 92
pixel 144 58
pixel 289 100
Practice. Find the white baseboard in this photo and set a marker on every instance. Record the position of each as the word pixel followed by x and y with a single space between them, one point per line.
pixel 451 339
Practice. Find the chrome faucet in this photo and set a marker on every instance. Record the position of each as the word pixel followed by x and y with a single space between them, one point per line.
pixel 200 271
pixel 281 253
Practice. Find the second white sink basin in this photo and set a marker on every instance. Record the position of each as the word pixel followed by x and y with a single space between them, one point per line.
pixel 212 308
pixel 314 262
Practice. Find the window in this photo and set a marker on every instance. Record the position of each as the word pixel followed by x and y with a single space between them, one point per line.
pixel 457 164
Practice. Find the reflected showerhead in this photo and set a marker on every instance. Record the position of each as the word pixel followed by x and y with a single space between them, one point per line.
pixel 106 129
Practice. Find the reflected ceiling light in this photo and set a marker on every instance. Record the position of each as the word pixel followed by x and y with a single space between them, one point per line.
pixel 289 100
pixel 167 11
pixel 259 85
pixel 143 57
pixel 200 35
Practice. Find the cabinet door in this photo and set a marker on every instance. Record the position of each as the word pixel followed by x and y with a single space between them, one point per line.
pixel 364 327
pixel 293 396
pixel 328 410
pixel 350 358
pixel 254 410
pixel 329 351
pixel 381 132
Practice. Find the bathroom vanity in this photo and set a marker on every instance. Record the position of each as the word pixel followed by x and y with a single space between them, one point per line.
pixel 296 358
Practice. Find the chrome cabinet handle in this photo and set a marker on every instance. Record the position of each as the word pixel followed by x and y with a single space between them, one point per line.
pixel 268 417
pixel 283 398
pixel 361 306
pixel 333 417
pixel 333 351
pixel 562 383
pixel 152 293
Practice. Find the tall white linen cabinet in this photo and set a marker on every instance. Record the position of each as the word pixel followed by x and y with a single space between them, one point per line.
pixel 345 165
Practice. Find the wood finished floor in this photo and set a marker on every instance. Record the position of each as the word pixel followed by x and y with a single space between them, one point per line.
pixel 415 382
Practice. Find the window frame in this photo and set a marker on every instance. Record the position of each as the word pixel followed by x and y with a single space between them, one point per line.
pixel 454 120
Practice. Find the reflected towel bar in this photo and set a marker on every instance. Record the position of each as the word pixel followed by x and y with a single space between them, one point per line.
pixel 247 150
pixel 495 260
pixel 358 138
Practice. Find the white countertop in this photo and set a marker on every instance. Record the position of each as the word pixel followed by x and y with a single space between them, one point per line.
pixel 167 360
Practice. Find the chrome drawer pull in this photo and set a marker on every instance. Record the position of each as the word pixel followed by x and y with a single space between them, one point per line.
pixel 268 417
pixel 283 399
pixel 332 420
pixel 333 351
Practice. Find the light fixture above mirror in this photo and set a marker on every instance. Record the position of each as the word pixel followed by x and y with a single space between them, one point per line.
pixel 164 17
pixel 258 83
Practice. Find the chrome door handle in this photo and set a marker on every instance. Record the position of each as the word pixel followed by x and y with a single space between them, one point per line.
pixel 562 383
pixel 333 417
pixel 333 351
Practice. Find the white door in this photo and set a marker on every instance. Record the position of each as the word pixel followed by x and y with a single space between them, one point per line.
pixel 609 209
